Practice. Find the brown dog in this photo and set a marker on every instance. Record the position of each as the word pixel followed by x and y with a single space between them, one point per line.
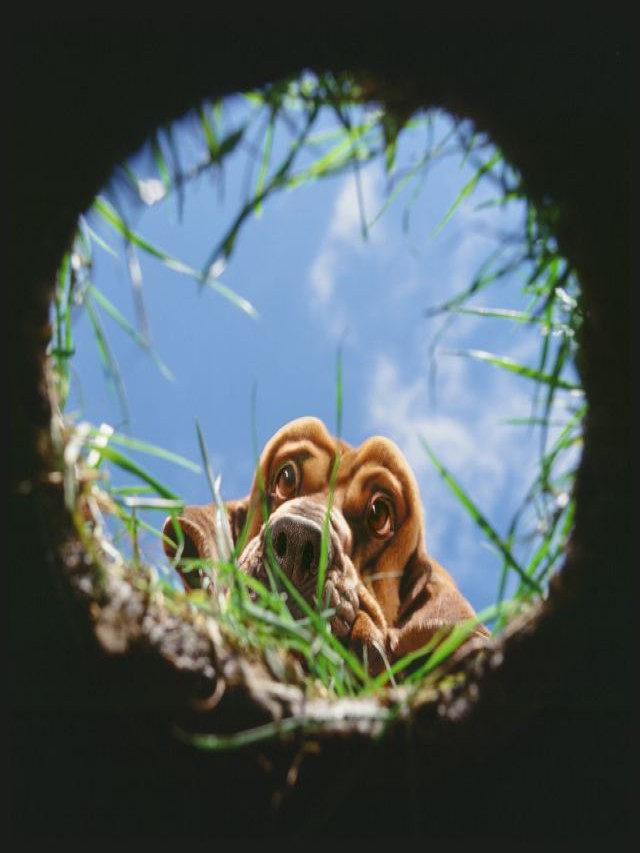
pixel 389 597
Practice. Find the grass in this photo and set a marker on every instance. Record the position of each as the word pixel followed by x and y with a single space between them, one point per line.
pixel 253 616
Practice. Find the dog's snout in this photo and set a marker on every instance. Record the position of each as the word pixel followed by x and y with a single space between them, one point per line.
pixel 296 545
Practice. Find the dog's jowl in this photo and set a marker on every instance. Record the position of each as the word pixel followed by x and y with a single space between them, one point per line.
pixel 388 596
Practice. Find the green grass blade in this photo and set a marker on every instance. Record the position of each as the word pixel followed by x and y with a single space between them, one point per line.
pixel 260 734
pixel 153 450
pixel 108 359
pixel 160 161
pixel 130 329
pixel 333 478
pixel 467 189
pixel 239 301
pixel 226 245
pixel 96 238
pixel 162 504
pixel 208 132
pixel 317 620
pixel 499 313
pixel 127 464
pixel 487 275
pixel 110 215
pixel 514 367
pixel 339 394
pixel 224 539
pixel 266 159
pixel 480 520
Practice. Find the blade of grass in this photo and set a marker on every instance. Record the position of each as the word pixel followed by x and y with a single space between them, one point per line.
pixel 317 621
pixel 108 359
pixel 110 215
pixel 126 464
pixel 467 189
pixel 486 276
pixel 153 450
pixel 333 478
pixel 124 324
pixel 499 313
pixel 160 161
pixel 266 157
pixel 514 367
pixel 224 539
pixel 225 247
pixel 480 520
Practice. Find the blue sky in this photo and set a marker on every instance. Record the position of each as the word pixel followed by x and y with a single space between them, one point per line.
pixel 317 286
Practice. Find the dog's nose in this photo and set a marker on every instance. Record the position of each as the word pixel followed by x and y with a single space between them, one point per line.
pixel 296 545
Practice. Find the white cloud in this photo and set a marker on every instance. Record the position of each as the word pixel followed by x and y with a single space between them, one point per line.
pixel 344 237
pixel 322 276
pixel 347 216
pixel 399 409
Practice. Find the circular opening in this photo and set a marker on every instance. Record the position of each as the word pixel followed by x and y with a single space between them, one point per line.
pixel 297 251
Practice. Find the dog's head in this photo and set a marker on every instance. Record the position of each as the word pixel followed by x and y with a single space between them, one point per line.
pixel 387 593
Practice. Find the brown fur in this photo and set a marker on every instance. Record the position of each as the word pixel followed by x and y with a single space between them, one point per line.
pixel 389 596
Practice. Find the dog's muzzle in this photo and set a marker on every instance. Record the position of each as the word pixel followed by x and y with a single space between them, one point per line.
pixel 297 544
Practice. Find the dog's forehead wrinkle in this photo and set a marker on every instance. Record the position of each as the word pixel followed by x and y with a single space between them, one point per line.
pixel 307 431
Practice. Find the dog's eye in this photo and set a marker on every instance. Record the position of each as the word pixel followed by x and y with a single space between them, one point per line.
pixel 380 516
pixel 287 481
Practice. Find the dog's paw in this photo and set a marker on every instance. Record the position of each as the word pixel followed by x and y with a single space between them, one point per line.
pixel 340 593
pixel 369 643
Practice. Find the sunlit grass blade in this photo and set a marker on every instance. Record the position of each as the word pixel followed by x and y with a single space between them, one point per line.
pixel 458 635
pixel 266 158
pixel 514 367
pixel 100 241
pixel 357 146
pixel 467 189
pixel 560 362
pixel 487 275
pixel 110 215
pixel 208 132
pixel 333 478
pixel 477 516
pixel 127 464
pixel 499 314
pixel 161 504
pixel 160 161
pixel 398 187
pixel 178 181
pixel 131 330
pixel 224 539
pixel 317 619
pixel 153 450
pixel 109 362
pixel 339 394
pixel 116 491
pixel 225 246
pixel 239 301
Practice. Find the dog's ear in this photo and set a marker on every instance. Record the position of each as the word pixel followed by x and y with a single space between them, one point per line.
pixel 202 533
pixel 430 602
pixel 237 513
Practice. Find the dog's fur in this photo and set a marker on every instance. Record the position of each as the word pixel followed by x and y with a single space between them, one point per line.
pixel 389 596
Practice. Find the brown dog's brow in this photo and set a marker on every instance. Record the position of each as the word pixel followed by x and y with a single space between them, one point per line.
pixel 308 439
pixel 378 466
pixel 304 436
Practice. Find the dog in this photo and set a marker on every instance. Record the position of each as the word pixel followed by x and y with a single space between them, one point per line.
pixel 388 596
